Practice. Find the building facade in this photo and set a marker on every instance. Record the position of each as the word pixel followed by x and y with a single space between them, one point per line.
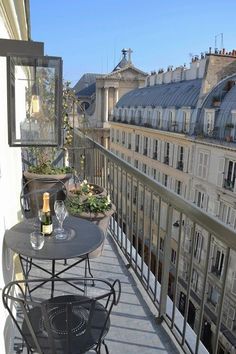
pixel 14 24
pixel 180 130
pixel 98 94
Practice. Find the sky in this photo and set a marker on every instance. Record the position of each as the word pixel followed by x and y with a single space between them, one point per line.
pixel 90 34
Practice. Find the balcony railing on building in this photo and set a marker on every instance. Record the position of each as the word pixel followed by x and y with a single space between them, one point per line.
pixel 174 247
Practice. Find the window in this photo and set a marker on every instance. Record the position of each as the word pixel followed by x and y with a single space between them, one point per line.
pixel 145 145
pixel 138 117
pixel 167 153
pixel 229 182
pixel 170 119
pixel 155 149
pixel 136 163
pixel 209 121
pixel 135 194
pixel 201 199
pixel 203 160
pixel 224 213
pixel 173 256
pixel 112 134
pixel 198 244
pixel 123 138
pixel 137 140
pixel 217 262
pixel 178 187
pixel 154 173
pixel 158 119
pixel 144 168
pixel 165 179
pixel 186 122
pixel 213 295
pixel 194 280
pixel 161 244
pixel 129 140
pixel 117 136
pixel 149 118
pixel 180 162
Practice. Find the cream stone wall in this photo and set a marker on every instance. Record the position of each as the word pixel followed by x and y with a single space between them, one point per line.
pixel 12 26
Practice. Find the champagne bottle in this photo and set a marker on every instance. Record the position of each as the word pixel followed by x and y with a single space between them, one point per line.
pixel 46 217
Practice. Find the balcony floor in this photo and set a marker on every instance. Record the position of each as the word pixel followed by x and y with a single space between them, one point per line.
pixel 133 328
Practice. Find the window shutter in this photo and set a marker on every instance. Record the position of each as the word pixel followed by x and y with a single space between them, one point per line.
pixel 233 287
pixel 205 165
pixel 220 175
pixel 205 201
pixel 171 154
pixel 175 155
pixel 192 195
pixel 232 217
pixel 185 169
pixel 141 144
pixel 217 208
pixel 162 151
pixel 200 162
pixel 150 147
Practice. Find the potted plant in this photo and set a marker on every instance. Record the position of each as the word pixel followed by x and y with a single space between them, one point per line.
pixel 84 188
pixel 95 208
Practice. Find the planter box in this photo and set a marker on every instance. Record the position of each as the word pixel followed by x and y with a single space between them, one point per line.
pixel 34 187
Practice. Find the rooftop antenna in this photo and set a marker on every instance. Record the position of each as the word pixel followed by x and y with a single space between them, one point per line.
pixel 221 42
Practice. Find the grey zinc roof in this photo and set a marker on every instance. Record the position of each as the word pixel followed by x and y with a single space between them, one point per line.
pixel 87 91
pixel 85 81
pixel 178 94
pixel 227 98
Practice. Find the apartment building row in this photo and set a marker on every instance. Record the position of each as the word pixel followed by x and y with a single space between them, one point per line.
pixel 182 134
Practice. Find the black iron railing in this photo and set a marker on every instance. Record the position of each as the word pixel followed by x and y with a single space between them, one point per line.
pixel 166 224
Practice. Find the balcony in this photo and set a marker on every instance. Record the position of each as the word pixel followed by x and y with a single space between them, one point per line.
pixel 149 289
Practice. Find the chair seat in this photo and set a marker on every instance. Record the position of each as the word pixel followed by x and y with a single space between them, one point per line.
pixel 81 340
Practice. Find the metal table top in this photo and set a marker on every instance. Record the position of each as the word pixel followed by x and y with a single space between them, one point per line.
pixel 83 238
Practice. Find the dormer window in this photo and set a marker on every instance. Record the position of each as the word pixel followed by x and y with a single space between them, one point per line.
pixel 209 122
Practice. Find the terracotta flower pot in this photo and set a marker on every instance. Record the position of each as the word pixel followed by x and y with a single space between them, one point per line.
pixel 102 221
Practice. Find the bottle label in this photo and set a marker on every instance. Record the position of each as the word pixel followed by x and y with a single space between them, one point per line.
pixel 47 229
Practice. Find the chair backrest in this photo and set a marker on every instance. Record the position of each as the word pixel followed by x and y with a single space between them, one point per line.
pixel 67 321
pixel 31 197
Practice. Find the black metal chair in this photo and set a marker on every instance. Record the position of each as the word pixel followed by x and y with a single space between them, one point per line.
pixel 71 322
pixel 31 197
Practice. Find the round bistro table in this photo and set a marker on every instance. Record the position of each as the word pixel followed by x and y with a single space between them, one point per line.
pixel 83 237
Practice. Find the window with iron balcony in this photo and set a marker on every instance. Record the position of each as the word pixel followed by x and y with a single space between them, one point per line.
pixel 229 181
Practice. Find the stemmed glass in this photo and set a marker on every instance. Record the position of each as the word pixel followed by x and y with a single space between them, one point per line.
pixel 61 213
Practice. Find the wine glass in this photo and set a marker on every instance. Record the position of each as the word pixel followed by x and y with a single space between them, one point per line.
pixel 61 213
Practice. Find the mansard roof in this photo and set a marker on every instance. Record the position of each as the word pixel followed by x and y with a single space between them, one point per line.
pixel 225 93
pixel 85 81
pixel 175 94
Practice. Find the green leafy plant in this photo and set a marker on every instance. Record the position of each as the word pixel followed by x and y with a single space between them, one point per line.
pixel 93 204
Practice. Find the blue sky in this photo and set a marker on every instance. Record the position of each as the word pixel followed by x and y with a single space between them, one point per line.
pixel 90 34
